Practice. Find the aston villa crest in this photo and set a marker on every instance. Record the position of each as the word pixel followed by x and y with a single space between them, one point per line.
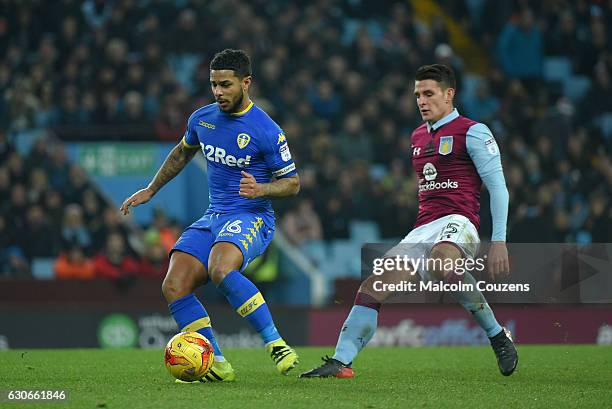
pixel 446 145
pixel 243 140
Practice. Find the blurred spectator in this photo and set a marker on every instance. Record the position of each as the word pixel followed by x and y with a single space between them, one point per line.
pixel 170 124
pixel 17 169
pixel 5 238
pixel 325 101
pixel 74 230
pixel 484 106
pixel 133 113
pixel 77 184
pixel 167 233
pixel 6 147
pixel 38 238
pixel 16 208
pixel 96 12
pixel 110 224
pixel 5 186
pixel 73 264
pixel 155 259
pixel 519 48
pixel 69 112
pixel 92 210
pixel 184 38
pixel 114 262
pixel 302 223
pixel 598 95
pixel 562 39
pixel 58 167
pixel 336 216
pixel 353 141
pixel 54 205
pixel 21 106
pixel 14 263
pixel 598 221
pixel 38 185
pixel 38 156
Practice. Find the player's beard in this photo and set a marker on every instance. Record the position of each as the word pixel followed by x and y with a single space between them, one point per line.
pixel 238 103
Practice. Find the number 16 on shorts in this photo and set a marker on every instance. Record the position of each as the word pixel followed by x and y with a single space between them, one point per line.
pixel 231 228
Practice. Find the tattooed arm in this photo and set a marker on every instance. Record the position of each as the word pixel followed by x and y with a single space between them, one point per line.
pixel 178 158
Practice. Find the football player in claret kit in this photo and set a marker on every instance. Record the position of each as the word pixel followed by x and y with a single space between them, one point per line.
pixel 452 156
pixel 249 163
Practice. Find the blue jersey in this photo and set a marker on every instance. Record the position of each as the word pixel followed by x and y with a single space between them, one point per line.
pixel 249 140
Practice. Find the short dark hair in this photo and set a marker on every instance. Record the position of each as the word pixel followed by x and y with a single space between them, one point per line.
pixel 438 72
pixel 229 59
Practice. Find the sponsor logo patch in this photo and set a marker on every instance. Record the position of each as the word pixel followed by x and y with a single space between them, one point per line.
pixel 219 155
pixel 206 124
pixel 285 154
pixel 429 171
pixel 491 146
pixel 433 185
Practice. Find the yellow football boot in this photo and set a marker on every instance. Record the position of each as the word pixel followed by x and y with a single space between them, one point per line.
pixel 283 356
pixel 219 372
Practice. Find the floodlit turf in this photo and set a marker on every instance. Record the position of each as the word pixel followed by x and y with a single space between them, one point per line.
pixel 548 377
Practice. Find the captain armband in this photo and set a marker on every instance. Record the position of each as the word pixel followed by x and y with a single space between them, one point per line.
pixel 284 171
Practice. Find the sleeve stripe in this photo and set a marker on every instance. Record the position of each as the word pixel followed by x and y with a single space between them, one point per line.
pixel 284 170
pixel 185 144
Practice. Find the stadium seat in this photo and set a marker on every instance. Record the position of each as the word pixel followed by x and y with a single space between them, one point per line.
pixel 344 259
pixel 351 26
pixel 183 66
pixel 469 86
pixel 364 231
pixel 378 171
pixel 576 86
pixel 605 122
pixel 24 140
pixel 583 237
pixel 335 265
pixel 557 69
pixel 316 251
pixel 42 268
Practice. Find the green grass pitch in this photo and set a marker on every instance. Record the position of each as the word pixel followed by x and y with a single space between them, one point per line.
pixel 465 377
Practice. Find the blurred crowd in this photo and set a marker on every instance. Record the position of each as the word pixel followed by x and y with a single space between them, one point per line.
pixel 50 210
pixel 337 76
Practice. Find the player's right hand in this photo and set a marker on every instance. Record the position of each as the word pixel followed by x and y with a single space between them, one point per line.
pixel 140 197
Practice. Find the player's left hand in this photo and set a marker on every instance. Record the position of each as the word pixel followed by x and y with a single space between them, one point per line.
pixel 498 259
pixel 249 187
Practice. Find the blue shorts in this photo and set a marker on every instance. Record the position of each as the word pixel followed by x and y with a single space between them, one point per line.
pixel 250 232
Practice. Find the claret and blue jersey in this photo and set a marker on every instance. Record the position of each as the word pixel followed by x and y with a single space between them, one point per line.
pixel 245 141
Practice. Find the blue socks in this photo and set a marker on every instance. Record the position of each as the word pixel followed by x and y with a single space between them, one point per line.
pixel 357 331
pixel 190 315
pixel 242 294
pixel 248 302
pixel 475 303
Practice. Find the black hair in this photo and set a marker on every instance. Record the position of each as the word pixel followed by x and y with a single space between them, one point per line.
pixel 229 59
pixel 440 73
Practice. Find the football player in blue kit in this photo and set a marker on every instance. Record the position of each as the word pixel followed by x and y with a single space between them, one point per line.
pixel 249 163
